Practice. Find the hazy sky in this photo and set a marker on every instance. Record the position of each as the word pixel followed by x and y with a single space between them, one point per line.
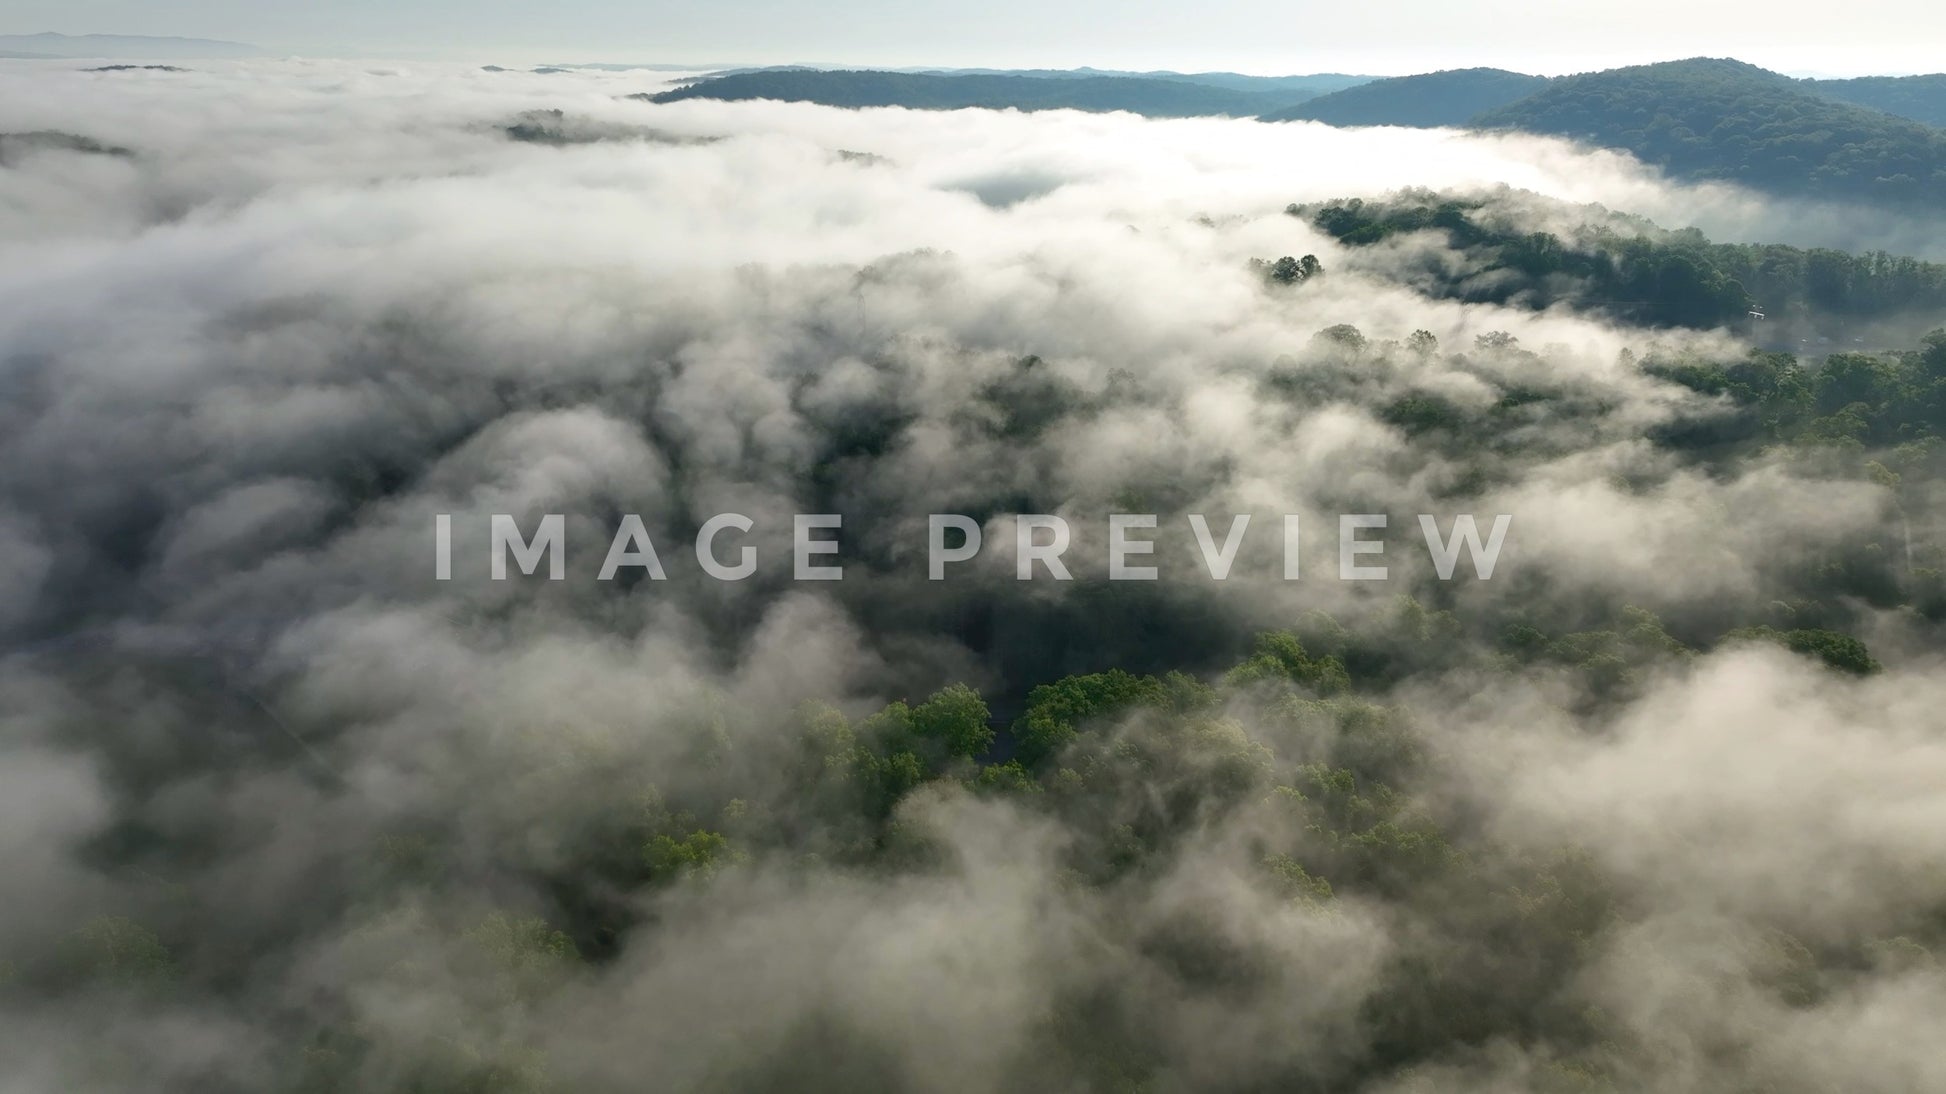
pixel 1268 36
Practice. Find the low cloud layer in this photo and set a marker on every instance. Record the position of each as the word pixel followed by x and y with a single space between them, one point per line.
pixel 314 305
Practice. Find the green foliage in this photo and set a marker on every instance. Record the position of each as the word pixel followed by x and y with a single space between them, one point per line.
pixel 1008 779
pixel 1365 834
pixel 1637 272
pixel 1280 656
pixel 114 950
pixel 1610 661
pixel 890 753
pixel 1288 270
pixel 1721 119
pixel 1296 882
pixel 1921 98
pixel 1372 742
pixel 1129 796
pixel 957 718
pixel 700 853
pixel 1851 401
pixel 524 957
pixel 1055 712
pixel 896 775
pixel 1419 413
pixel 1839 651
pixel 1341 337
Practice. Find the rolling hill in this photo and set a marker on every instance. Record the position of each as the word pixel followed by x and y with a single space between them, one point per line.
pixel 1448 98
pixel 1291 89
pixel 1632 269
pixel 1160 98
pixel 1309 84
pixel 1720 119
pixel 1921 98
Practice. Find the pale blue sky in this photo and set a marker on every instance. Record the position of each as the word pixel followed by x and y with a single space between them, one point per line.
pixel 1268 36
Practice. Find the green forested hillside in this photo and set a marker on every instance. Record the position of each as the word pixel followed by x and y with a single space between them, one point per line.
pixel 1431 99
pixel 1920 98
pixel 1707 118
pixel 1629 268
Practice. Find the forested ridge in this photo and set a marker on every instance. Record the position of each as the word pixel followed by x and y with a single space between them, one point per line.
pixel 1921 98
pixel 1632 269
pixel 1708 118
pixel 1318 83
pixel 925 91
pixel 1701 118
pixel 1450 98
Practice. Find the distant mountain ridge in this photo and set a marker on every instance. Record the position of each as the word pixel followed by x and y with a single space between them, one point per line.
pixel 1448 98
pixel 930 91
pixel 1921 98
pixel 1303 84
pixel 122 46
pixel 1701 118
pixel 1318 83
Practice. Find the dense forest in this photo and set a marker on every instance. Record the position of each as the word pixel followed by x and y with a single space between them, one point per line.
pixel 1725 120
pixel 1449 98
pixel 1631 269
pixel 1921 98
pixel 1456 97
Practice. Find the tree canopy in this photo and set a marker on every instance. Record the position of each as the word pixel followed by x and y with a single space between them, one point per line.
pixel 1724 120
